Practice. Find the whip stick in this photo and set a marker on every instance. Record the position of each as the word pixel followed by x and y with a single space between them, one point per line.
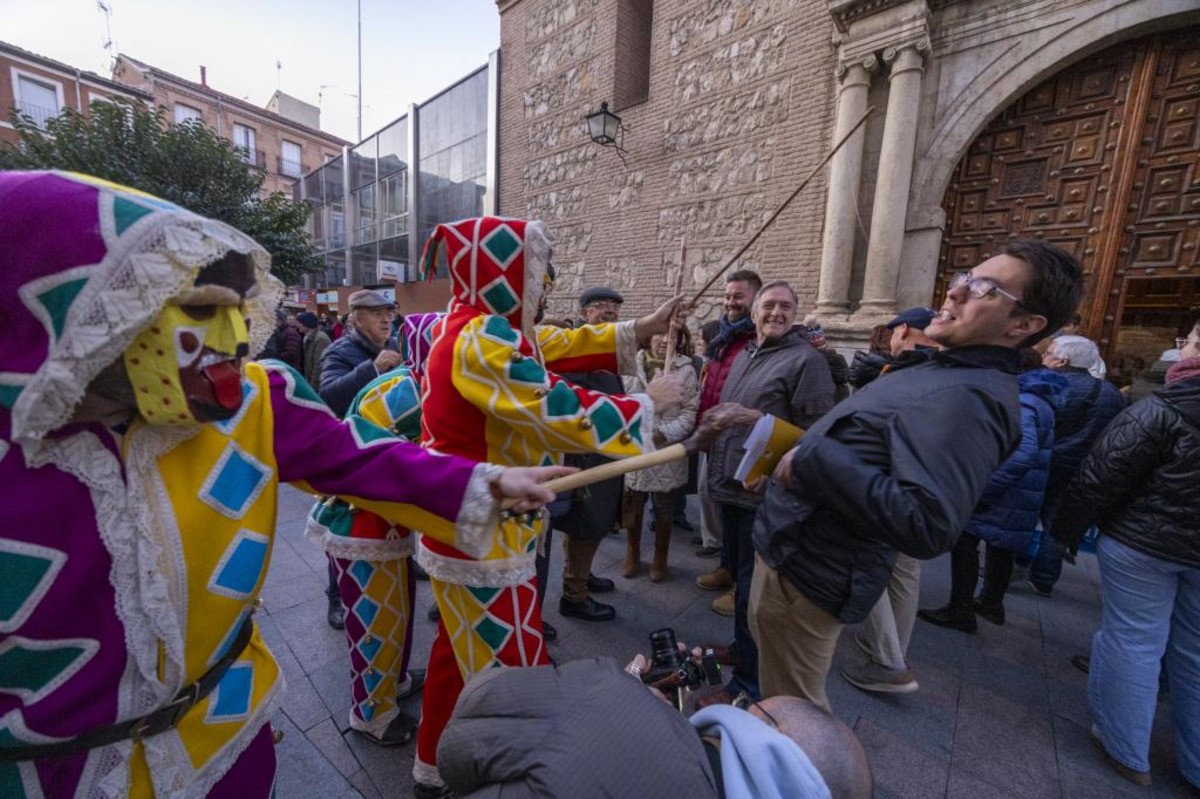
pixel 672 330
pixel 786 202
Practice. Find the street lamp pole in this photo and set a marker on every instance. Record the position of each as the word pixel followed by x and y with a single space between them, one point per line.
pixel 359 70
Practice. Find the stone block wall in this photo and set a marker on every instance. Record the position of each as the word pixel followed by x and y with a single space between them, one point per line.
pixel 739 109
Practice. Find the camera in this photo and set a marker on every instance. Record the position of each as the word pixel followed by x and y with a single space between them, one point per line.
pixel 674 672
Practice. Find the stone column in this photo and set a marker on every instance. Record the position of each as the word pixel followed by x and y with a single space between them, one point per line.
pixel 893 183
pixel 841 201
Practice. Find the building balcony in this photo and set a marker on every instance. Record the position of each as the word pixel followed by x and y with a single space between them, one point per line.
pixel 38 114
pixel 255 158
pixel 291 169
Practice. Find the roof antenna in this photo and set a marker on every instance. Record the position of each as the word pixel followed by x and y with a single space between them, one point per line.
pixel 278 74
pixel 109 45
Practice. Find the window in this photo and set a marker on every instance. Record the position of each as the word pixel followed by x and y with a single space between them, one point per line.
pixel 185 113
pixel 631 81
pixel 243 139
pixel 289 159
pixel 39 100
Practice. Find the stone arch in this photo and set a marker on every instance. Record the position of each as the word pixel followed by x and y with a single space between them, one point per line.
pixel 1004 80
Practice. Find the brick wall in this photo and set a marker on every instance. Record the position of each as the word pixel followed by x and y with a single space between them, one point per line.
pixel 740 108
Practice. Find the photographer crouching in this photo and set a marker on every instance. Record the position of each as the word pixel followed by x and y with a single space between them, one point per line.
pixel 589 728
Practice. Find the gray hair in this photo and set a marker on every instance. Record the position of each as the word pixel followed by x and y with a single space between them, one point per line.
pixel 774 284
pixel 1079 352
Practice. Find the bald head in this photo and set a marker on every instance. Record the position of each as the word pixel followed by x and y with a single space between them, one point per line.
pixel 828 742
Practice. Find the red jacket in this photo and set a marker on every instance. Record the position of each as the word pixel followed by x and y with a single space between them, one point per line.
pixel 716 371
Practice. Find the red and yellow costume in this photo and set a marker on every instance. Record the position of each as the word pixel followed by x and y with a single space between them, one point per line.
pixel 488 395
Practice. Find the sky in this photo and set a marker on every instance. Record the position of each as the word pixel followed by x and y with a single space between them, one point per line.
pixel 411 49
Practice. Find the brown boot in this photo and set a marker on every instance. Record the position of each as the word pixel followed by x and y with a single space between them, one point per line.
pixel 633 550
pixel 633 506
pixel 662 542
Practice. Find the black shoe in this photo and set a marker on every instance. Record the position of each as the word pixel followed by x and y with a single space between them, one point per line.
pixel 992 611
pixel 950 617
pixel 548 632
pixel 416 681
pixel 423 791
pixel 697 541
pixel 417 572
pixel 600 585
pixel 434 613
pixel 399 732
pixel 1040 590
pixel 337 614
pixel 682 523
pixel 587 609
pixel 1082 662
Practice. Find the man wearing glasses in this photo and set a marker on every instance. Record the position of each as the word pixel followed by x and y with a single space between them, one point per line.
pixel 899 466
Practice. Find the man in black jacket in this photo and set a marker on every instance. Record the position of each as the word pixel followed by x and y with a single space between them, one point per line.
pixel 899 465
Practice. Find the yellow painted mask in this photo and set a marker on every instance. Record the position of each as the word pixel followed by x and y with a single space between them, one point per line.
pixel 186 366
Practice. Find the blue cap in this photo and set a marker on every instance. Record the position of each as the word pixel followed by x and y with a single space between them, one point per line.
pixel 918 318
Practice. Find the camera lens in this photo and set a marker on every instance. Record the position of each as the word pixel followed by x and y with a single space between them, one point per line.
pixel 664 652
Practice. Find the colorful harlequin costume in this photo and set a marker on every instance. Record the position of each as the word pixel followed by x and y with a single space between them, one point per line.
pixel 487 393
pixel 371 555
pixel 134 547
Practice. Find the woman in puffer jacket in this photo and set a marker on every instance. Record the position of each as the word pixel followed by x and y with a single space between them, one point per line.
pixel 1141 484
pixel 660 483
pixel 1007 514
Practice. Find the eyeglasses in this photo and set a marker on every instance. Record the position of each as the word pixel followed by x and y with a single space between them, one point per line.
pixel 604 305
pixel 980 287
pixel 743 702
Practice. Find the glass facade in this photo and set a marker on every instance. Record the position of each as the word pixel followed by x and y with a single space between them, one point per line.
pixel 389 191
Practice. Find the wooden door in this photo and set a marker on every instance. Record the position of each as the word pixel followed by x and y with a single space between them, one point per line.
pixel 1100 159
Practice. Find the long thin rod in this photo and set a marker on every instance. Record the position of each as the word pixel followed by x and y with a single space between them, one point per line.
pixel 785 204
pixel 673 328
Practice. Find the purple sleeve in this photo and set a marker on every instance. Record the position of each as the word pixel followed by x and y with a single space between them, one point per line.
pixel 361 462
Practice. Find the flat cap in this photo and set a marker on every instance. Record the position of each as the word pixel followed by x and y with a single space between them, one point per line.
pixel 308 319
pixel 913 317
pixel 366 298
pixel 598 293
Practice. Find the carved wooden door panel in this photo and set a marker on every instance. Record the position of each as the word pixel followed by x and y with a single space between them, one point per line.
pixel 1101 160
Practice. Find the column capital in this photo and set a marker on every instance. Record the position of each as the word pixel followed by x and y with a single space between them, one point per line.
pixel 917 48
pixel 856 70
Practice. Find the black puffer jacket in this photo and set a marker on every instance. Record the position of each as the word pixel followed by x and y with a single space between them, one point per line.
pixel 1141 481
pixel 898 466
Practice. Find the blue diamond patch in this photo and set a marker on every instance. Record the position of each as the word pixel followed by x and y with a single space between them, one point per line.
pixel 369 648
pixel 234 482
pixel 366 610
pixel 361 571
pixel 240 566
pixel 502 245
pixel 231 700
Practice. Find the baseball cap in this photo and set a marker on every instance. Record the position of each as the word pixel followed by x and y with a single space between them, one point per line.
pixel 598 293
pixel 913 317
pixel 366 298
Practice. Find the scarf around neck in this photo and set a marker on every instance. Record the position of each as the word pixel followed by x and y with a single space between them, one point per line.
pixel 729 331
pixel 1183 370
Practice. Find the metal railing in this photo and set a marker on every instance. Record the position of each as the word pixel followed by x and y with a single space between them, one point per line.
pixel 37 113
pixel 290 168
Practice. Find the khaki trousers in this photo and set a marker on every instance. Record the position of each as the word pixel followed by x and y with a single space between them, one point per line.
pixel 796 639
pixel 886 631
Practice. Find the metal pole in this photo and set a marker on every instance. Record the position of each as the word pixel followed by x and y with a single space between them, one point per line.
pixel 360 70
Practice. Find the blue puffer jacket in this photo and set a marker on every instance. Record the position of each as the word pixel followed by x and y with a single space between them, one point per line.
pixel 1008 511
pixel 1088 407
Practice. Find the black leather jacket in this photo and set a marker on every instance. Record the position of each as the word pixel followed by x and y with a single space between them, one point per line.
pixel 1141 481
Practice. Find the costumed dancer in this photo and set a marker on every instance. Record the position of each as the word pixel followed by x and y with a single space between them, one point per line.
pixel 372 558
pixel 487 391
pixel 139 463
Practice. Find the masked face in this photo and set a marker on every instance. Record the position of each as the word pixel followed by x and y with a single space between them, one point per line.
pixel 186 366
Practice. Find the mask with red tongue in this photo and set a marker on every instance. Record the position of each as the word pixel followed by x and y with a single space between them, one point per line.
pixel 186 367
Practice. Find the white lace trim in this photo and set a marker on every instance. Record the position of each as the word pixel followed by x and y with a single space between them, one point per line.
pixel 143 271
pixel 627 349
pixel 482 573
pixel 538 244
pixel 425 773
pixel 339 546
pixel 170 764
pixel 479 515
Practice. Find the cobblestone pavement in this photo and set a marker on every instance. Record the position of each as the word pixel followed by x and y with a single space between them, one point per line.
pixel 999 714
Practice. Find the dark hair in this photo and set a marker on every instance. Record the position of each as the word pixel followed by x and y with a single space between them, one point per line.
pixel 683 341
pixel 1055 283
pixel 881 341
pixel 745 276
pixel 1030 359
pixel 710 330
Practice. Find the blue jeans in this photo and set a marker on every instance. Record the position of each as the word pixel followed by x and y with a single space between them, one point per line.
pixel 737 525
pixel 1149 606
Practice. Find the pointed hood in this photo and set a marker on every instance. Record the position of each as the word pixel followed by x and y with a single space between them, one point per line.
pixel 87 265
pixel 497 265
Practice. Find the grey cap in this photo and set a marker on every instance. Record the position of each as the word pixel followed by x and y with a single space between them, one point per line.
pixel 598 293
pixel 366 298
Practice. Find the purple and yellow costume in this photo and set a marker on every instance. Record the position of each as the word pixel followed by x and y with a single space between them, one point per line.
pixel 132 553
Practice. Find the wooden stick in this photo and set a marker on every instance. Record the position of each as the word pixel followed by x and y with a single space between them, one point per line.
pixel 673 328
pixel 607 471
pixel 786 202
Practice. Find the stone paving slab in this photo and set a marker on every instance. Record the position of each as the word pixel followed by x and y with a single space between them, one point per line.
pixel 999 714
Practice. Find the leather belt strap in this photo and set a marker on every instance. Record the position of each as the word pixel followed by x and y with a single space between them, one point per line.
pixel 161 720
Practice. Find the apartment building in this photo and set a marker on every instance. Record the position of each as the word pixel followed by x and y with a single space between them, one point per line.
pixel 42 88
pixel 284 139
